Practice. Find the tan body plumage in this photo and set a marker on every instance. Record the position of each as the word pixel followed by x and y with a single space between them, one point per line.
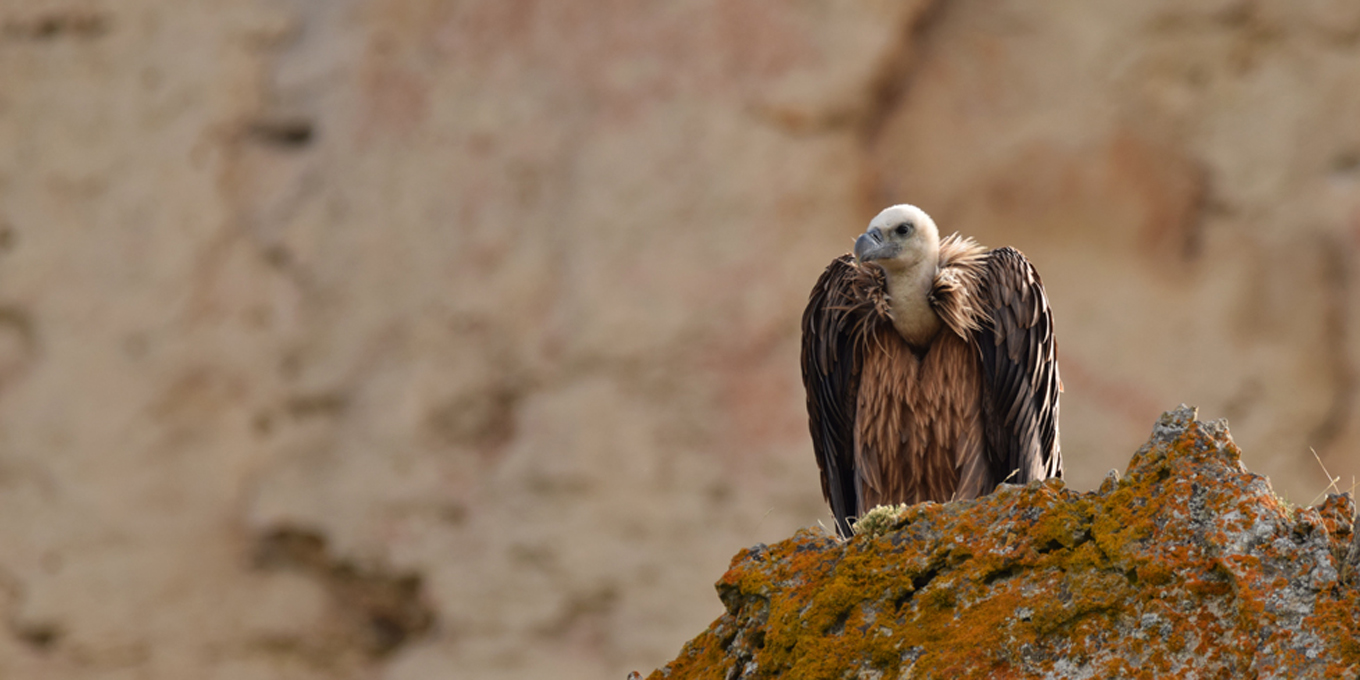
pixel 931 369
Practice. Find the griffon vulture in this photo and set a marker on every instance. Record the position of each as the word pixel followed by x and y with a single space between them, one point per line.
pixel 931 369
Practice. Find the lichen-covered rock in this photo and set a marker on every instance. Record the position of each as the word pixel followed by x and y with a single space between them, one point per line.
pixel 1188 566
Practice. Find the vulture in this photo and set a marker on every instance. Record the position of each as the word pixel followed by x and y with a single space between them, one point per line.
pixel 930 367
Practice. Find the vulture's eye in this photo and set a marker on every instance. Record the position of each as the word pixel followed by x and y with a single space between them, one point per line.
pixel 903 229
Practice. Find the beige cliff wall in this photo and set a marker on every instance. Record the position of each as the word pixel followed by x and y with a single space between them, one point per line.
pixel 408 338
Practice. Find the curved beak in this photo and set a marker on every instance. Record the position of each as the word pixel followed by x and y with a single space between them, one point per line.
pixel 870 246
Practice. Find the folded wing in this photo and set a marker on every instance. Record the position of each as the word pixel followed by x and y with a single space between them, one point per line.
pixel 1020 371
pixel 833 327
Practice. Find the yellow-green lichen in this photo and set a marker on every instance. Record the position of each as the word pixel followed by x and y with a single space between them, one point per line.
pixel 879 520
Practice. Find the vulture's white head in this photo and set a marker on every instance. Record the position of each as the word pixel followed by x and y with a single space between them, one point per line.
pixel 905 242
pixel 900 239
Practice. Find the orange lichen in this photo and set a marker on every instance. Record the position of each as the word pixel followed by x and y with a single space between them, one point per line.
pixel 1186 565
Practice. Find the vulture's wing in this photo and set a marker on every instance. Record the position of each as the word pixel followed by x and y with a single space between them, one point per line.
pixel 1020 371
pixel 832 324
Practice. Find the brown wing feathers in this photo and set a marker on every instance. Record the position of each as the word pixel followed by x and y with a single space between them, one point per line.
pixel 1020 368
pixel 831 377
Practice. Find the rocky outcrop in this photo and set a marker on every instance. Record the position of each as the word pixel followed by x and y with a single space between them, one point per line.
pixel 1187 566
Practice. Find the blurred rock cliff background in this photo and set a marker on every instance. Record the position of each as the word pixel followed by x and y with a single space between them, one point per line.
pixel 413 339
